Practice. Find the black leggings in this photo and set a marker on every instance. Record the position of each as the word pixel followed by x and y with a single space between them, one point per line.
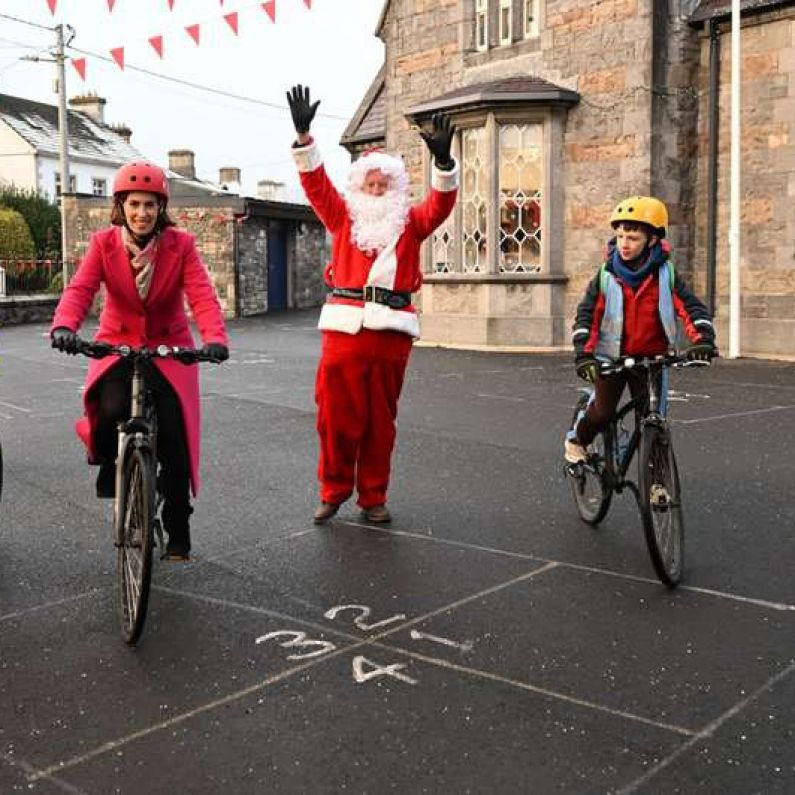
pixel 602 409
pixel 113 393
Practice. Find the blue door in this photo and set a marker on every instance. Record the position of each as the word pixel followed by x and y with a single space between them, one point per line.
pixel 277 267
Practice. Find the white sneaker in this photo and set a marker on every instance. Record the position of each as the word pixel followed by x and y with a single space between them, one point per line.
pixel 574 452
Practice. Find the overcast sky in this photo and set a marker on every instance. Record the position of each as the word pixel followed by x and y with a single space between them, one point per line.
pixel 331 48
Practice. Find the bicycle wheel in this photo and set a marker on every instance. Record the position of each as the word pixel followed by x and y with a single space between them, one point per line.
pixel 588 488
pixel 661 504
pixel 134 538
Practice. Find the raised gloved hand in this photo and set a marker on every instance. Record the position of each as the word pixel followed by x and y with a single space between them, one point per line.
pixel 64 339
pixel 587 368
pixel 701 352
pixel 216 352
pixel 302 110
pixel 439 141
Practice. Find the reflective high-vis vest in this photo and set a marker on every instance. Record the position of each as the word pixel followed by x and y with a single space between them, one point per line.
pixel 611 328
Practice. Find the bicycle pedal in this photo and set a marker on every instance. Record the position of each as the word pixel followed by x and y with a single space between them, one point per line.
pixel 659 497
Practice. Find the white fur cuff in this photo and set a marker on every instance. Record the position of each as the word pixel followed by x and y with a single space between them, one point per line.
pixel 308 157
pixel 445 181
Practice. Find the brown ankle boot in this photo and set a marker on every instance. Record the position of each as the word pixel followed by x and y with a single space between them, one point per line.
pixel 378 514
pixel 325 511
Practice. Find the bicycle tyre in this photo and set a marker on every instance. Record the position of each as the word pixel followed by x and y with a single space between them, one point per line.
pixel 660 502
pixel 591 496
pixel 135 539
pixel 1 471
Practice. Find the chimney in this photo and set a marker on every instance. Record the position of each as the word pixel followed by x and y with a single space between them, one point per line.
pixel 123 130
pixel 181 161
pixel 229 179
pixel 269 189
pixel 91 105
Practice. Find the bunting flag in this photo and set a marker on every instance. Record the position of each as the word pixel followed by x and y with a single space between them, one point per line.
pixel 110 5
pixel 270 9
pixel 232 20
pixel 170 5
pixel 118 56
pixel 157 44
pixel 308 4
pixel 193 32
pixel 80 67
pixel 51 4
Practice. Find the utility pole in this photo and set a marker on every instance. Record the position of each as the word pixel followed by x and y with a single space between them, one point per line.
pixel 735 196
pixel 63 131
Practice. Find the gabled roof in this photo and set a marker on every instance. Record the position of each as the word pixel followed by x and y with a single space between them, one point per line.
pixel 382 18
pixel 37 123
pixel 721 9
pixel 369 122
pixel 506 92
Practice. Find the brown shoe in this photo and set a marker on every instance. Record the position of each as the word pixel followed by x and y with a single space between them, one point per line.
pixel 325 511
pixel 378 514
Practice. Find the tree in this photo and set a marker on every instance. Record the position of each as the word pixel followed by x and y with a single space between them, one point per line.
pixel 42 216
pixel 16 241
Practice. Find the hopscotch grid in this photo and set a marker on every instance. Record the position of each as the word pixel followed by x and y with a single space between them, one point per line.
pixel 28 768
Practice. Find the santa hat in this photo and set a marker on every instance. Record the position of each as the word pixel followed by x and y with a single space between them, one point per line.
pixel 377 159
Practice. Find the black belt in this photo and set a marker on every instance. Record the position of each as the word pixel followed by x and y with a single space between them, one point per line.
pixel 379 295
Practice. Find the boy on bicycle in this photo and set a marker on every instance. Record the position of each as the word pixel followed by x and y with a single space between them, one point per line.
pixel 630 309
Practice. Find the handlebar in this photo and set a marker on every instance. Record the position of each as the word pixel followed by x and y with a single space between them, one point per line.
pixel 648 362
pixel 99 350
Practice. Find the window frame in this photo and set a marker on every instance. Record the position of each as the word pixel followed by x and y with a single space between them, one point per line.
pixel 532 30
pixel 505 11
pixel 101 183
pixel 481 25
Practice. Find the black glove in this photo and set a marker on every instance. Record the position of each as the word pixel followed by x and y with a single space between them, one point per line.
pixel 216 352
pixel 302 110
pixel 587 368
pixel 701 352
pixel 64 339
pixel 439 141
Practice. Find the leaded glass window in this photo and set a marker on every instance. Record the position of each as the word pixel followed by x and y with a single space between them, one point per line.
pixel 474 199
pixel 443 248
pixel 520 195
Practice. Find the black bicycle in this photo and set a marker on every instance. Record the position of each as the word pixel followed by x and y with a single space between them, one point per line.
pixel 136 519
pixel 604 473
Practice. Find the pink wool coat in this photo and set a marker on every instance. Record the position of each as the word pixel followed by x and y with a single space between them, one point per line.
pixel 161 320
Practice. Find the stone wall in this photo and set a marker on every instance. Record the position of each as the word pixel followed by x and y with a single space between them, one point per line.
pixel 252 257
pixel 21 309
pixel 767 246
pixel 311 251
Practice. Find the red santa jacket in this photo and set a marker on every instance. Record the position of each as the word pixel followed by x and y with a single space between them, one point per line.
pixel 397 267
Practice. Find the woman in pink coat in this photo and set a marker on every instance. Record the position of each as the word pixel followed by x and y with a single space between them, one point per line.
pixel 148 268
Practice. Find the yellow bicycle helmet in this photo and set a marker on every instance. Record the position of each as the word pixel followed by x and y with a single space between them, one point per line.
pixel 641 210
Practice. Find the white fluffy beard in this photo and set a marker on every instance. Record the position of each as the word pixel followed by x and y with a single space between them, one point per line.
pixel 377 220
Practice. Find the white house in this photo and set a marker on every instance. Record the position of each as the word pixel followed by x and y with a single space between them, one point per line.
pixel 29 141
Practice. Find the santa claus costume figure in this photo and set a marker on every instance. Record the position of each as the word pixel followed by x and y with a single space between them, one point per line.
pixel 368 321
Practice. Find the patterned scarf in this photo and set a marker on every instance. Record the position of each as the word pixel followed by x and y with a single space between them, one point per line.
pixel 142 261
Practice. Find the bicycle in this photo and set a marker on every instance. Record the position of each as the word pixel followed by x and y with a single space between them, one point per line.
pixel 136 519
pixel 658 492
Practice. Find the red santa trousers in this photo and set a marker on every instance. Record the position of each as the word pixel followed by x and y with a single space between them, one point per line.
pixel 358 384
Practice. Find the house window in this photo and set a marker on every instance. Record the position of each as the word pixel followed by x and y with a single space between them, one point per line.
pixel 530 16
pixel 99 187
pixel 520 193
pixel 482 25
pixel 505 21
pixel 474 199
pixel 72 184
pixel 443 248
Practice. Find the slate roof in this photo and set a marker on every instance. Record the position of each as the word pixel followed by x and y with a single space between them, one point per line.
pixel 508 91
pixel 37 123
pixel 721 9
pixel 369 122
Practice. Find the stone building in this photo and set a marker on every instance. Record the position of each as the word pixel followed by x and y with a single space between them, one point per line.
pixel 263 255
pixel 563 107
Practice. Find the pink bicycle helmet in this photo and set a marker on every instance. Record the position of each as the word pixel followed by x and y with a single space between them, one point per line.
pixel 142 176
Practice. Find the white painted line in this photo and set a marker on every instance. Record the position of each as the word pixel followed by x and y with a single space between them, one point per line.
pixel 15 407
pixel 26 767
pixel 733 415
pixel 48 605
pixel 543 691
pixel 467 645
pixel 500 397
pixel 765 603
pixel 705 733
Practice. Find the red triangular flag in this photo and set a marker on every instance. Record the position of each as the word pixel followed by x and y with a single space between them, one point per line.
pixel 170 5
pixel 118 56
pixel 157 43
pixel 110 5
pixel 270 9
pixel 308 4
pixel 80 66
pixel 193 32
pixel 232 20
pixel 51 4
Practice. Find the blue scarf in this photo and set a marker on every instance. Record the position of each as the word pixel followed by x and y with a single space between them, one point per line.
pixel 634 277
